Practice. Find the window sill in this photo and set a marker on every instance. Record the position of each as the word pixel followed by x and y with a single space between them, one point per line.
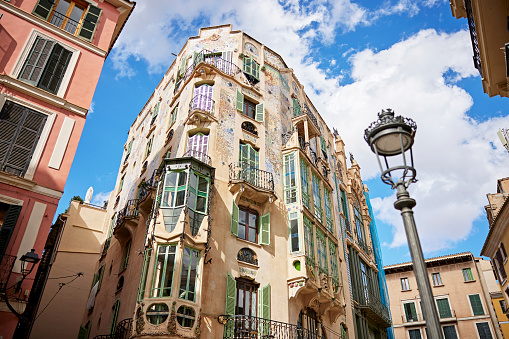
pixel 249 242
pixel 248 117
pixel 469 281
pixel 406 290
pixel 441 285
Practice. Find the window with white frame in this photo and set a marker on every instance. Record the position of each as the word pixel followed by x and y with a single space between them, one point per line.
pixel 410 311
pixel 46 63
pixel 450 332
pixel 414 334
pixel 467 274
pixel 290 181
pixel 444 308
pixel 437 279
pixel 405 284
pixel 476 304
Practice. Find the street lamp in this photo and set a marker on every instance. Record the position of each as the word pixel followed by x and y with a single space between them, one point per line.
pixel 391 138
pixel 30 258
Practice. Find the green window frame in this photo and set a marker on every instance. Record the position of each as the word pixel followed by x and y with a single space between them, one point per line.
pixel 125 257
pixel 415 334
pixel 164 270
pixel 333 258
pixel 249 156
pixel 114 318
pixel 297 110
pixel 143 279
pixel 467 274
pixel 293 219
pixel 444 309
pixel 197 200
pixel 251 67
pixel 148 148
pixel 344 206
pixel 328 210
pixel 173 115
pixel 128 151
pixel 98 277
pixel 317 197
pixel 155 113
pixel 309 239
pixel 323 146
pixel 175 189
pixel 304 183
pixel 476 304
pixel 483 329
pixel 410 311
pixel 290 182
pixel 190 260
pixel 321 248
pixel 359 221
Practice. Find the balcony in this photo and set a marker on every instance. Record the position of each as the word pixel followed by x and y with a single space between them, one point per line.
pixel 126 220
pixel 252 182
pixel 201 109
pixel 240 326
pixel 203 157
pixel 123 330
pixel 6 265
pixel 66 23
pixel 473 36
pixel 209 58
pixel 374 308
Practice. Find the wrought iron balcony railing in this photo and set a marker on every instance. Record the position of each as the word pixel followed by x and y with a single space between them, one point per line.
pixel 203 103
pixel 128 212
pixel 310 114
pixel 241 327
pixel 371 303
pixel 203 157
pixel 473 36
pixel 70 26
pixel 146 187
pixel 123 330
pixel 210 58
pixel 243 171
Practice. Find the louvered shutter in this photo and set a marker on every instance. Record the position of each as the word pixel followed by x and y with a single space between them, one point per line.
pixel 296 108
pixel 8 226
pixel 410 312
pixel 36 60
pixel 115 317
pixel 231 291
pixel 444 310
pixel 240 101
pixel 415 334
pixel 264 227
pixel 256 70
pixel 197 57
pixel 82 334
pixel 227 61
pixel 260 112
pixel 484 330
pixel 20 129
pixel 247 65
pixel 43 8
pixel 89 23
pixel 55 69
pixel 264 301
pixel 183 64
pixel 475 302
pixel 100 277
pixel 235 220
pixel 449 332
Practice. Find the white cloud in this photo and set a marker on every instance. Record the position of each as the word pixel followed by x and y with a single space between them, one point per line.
pixel 455 160
pixel 99 198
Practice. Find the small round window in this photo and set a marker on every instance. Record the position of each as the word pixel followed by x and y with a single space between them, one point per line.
pixel 157 313
pixel 185 316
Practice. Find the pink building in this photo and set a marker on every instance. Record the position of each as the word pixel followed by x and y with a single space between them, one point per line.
pixel 51 56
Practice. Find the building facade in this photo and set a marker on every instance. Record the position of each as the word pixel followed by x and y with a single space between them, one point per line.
pixel 461 287
pixel 487 22
pixel 51 55
pixel 234 212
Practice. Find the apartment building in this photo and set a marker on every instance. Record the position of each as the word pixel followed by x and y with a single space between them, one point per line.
pixel 51 55
pixel 461 287
pixel 235 213
pixel 489 33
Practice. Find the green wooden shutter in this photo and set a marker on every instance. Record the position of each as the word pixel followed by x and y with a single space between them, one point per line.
pixel 8 226
pixel 231 291
pixel 90 22
pixel 197 57
pixel 296 108
pixel 256 70
pixel 43 8
pixel 260 113
pixel 235 220
pixel 475 302
pixel 484 330
pixel 100 279
pixel 183 64
pixel 115 316
pixel 247 68
pixel 55 69
pixel 36 60
pixel 264 301
pixel 240 101
pixel 410 312
pixel 82 334
pixel 444 310
pixel 264 227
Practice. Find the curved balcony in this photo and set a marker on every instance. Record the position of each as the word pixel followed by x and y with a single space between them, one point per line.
pixel 126 219
pixel 201 108
pixel 123 330
pixel 374 308
pixel 254 183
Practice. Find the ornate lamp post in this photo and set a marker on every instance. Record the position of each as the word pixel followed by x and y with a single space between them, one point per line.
pixel 391 138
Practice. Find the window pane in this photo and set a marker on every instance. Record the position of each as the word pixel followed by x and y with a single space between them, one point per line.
pixel 450 332
pixel 171 179
pixel 192 180
pixel 200 204
pixel 203 185
pixel 252 234
pixel 182 178
pixel 180 198
pixel 192 199
pixel 484 330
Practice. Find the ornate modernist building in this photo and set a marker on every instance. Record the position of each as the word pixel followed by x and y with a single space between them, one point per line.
pixel 234 213
pixel 51 56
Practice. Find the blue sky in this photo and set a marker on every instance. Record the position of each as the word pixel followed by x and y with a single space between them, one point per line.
pixel 354 58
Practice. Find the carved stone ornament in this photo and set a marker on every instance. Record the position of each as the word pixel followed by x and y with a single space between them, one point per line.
pixel 324 281
pixel 140 323
pixel 172 323
pixel 215 37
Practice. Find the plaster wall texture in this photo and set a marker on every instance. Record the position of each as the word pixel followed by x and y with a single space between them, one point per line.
pixel 290 292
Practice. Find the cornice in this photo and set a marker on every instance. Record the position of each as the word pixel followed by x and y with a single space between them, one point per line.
pixel 51 28
pixel 28 185
pixel 496 231
pixel 41 94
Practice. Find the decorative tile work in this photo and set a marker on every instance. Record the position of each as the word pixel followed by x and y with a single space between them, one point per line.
pixel 295 87
pixel 218 40
pixel 225 137
pixel 273 59
pixel 249 47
